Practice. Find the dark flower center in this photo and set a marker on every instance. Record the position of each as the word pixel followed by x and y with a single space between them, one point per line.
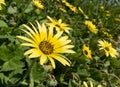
pixel 107 48
pixel 85 52
pixel 57 25
pixel 46 47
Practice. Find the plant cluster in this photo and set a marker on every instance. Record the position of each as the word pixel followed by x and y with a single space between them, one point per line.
pixel 59 43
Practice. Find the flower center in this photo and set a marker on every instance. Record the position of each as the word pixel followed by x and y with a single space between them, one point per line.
pixel 107 48
pixel 57 25
pixel 85 52
pixel 46 47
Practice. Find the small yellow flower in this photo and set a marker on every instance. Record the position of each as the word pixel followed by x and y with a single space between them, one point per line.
pixel 107 47
pixel 86 51
pixel 62 9
pixel 107 34
pixel 102 7
pixel 71 7
pixel 38 4
pixel 58 25
pixel 2 2
pixel 44 44
pixel 108 13
pixel 91 26
pixel 83 13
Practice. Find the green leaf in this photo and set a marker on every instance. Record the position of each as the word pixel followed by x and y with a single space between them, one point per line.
pixel 3 24
pixel 12 10
pixel 114 62
pixel 3 78
pixel 12 64
pixel 83 72
pixel 12 51
pixel 96 74
pixel 29 8
pixel 38 73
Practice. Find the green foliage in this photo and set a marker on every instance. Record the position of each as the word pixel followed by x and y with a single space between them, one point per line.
pixel 17 70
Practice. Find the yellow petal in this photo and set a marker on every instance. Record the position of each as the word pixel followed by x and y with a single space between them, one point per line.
pixel 53 62
pixel 50 34
pixel 85 84
pixel 29 44
pixel 29 51
pixel 91 84
pixel 27 27
pixel 43 59
pixel 60 59
pixel 26 39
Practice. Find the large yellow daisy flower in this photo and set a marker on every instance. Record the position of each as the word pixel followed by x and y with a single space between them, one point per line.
pixel 91 26
pixel 45 44
pixel 86 51
pixel 107 47
pixel 2 2
pixel 59 25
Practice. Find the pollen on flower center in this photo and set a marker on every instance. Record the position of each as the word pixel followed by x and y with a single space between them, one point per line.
pixel 46 47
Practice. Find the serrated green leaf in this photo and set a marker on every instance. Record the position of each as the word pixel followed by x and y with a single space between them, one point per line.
pixel 38 72
pixel 3 78
pixel 12 64
pixel 17 52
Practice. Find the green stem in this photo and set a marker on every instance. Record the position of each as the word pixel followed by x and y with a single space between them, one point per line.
pixel 29 69
pixel 115 77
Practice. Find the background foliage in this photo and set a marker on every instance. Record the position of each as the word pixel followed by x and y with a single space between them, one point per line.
pixel 16 70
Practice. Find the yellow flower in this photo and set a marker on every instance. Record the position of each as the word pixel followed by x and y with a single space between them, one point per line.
pixel 44 44
pixel 58 25
pixel 107 34
pixel 1 2
pixel 91 84
pixel 86 51
pixel 62 9
pixel 38 4
pixel 83 13
pixel 71 7
pixel 107 13
pixel 107 47
pixel 91 27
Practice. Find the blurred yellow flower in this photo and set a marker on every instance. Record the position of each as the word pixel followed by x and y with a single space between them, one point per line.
pixel 45 45
pixel 71 7
pixel 38 4
pixel 107 47
pixel 91 26
pixel 2 2
pixel 62 9
pixel 86 51
pixel 90 85
pixel 107 34
pixel 58 25
pixel 83 13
